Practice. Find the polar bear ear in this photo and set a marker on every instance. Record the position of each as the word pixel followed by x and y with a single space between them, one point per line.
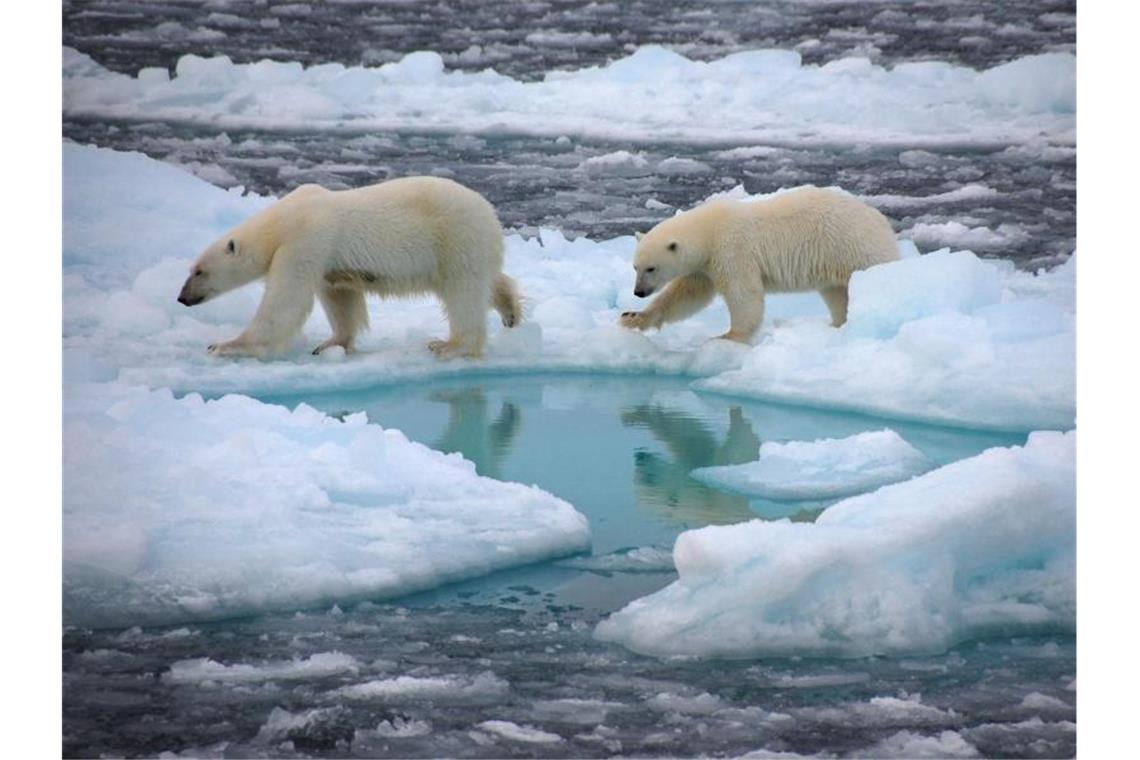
pixel 639 235
pixel 231 247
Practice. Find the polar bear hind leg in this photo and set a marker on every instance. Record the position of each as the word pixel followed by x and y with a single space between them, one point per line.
pixel 836 299
pixel 346 312
pixel 466 305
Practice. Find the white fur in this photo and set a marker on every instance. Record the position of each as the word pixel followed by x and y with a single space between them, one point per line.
pixel 402 237
pixel 805 239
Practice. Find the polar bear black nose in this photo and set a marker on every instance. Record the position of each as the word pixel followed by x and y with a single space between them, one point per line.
pixel 641 293
pixel 186 299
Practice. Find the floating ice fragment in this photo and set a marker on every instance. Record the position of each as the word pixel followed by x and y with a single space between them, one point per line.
pixel 822 469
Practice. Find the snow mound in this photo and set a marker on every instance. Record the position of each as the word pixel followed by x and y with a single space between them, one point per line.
pixel 945 338
pixel 759 96
pixel 183 509
pixel 982 546
pixel 821 469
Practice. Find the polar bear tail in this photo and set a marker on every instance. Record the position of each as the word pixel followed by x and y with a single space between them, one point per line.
pixel 505 300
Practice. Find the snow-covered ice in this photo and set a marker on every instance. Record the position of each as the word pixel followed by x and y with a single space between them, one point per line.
pixel 983 545
pixel 180 509
pixel 758 96
pixel 945 338
pixel 821 469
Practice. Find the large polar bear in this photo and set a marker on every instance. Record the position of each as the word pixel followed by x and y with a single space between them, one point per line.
pixel 401 237
pixel 807 238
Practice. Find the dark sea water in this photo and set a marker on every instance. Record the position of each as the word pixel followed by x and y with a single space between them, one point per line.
pixel 535 181
pixel 517 646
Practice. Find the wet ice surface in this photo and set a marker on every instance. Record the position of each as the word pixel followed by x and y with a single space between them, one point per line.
pixel 507 665
pixel 1025 200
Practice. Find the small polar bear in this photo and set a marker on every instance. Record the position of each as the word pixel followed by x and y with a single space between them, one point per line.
pixel 402 237
pixel 807 238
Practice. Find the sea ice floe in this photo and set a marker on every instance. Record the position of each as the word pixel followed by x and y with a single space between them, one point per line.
pixel 822 469
pixel 758 96
pixel 182 509
pixel 982 545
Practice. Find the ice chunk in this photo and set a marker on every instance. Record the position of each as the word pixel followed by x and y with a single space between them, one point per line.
pixel 1035 82
pixel 908 744
pixel 483 688
pixel 903 203
pixel 641 559
pixel 822 469
pixel 517 733
pixel 682 166
pixel 304 725
pixel 397 728
pixel 620 163
pixel 885 297
pixel 982 545
pixel 204 670
pixel 973 238
pixel 181 509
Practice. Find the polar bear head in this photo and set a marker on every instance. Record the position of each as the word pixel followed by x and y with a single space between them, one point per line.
pixel 673 248
pixel 237 258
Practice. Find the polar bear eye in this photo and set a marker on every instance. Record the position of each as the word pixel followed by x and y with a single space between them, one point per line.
pixel 650 270
pixel 672 246
pixel 231 247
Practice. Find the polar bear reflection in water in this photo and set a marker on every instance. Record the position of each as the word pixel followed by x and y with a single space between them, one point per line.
pixel 471 432
pixel 662 482
pixel 485 424
pixel 620 449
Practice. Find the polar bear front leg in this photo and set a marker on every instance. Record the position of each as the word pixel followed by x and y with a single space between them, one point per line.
pixel 286 305
pixel 744 298
pixel 681 298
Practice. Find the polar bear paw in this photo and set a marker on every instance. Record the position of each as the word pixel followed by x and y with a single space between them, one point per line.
pixel 637 320
pixel 346 343
pixel 229 348
pixel 735 337
pixel 448 349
